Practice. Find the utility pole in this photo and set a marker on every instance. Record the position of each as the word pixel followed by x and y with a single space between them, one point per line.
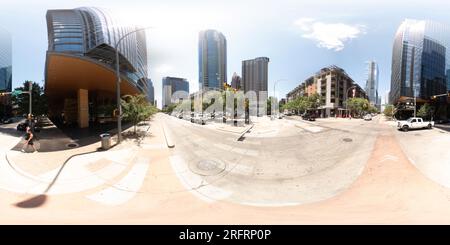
pixel 415 106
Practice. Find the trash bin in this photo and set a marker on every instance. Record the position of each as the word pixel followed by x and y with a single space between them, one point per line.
pixel 106 141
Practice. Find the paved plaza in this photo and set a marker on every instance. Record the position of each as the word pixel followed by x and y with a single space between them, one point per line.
pixel 282 171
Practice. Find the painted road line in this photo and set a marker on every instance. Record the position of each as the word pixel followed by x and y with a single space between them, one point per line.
pixel 126 188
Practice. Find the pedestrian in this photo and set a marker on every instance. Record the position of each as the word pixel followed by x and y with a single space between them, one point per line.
pixel 29 138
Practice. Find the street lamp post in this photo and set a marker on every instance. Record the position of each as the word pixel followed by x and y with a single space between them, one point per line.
pixel 118 81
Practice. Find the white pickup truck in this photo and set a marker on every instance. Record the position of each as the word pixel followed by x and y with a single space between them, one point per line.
pixel 414 123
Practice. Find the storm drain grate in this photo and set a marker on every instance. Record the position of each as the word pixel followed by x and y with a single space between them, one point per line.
pixel 207 167
pixel 347 140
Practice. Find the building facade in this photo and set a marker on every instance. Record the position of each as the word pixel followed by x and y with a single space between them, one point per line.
pixel 372 84
pixel 420 61
pixel 236 81
pixel 255 78
pixel 80 79
pixel 212 60
pixel 334 86
pixel 5 61
pixel 151 92
pixel 171 85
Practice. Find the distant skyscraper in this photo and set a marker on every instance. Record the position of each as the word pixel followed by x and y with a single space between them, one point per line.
pixel 236 81
pixel 170 86
pixel 5 61
pixel 372 83
pixel 151 91
pixel 255 76
pixel 420 60
pixel 212 59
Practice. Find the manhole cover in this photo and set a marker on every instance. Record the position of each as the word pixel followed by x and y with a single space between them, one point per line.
pixel 347 140
pixel 72 145
pixel 207 167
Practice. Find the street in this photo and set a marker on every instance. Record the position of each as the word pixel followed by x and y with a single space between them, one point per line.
pixel 286 171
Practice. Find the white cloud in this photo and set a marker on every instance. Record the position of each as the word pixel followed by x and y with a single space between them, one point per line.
pixel 329 35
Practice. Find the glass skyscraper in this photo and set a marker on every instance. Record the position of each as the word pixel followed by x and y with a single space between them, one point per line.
pixel 93 33
pixel 80 78
pixel 372 83
pixel 420 60
pixel 5 61
pixel 212 57
pixel 170 85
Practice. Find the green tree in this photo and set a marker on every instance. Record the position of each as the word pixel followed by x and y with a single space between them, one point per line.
pixel 39 99
pixel 358 106
pixel 426 111
pixel 136 108
pixel 389 111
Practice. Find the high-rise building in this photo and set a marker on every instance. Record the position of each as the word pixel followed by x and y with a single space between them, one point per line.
pixel 5 61
pixel 334 85
pixel 151 92
pixel 420 61
pixel 80 79
pixel 255 76
pixel 170 85
pixel 372 83
pixel 236 81
pixel 212 60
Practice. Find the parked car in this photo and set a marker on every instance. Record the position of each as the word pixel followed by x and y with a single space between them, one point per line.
pixel 309 117
pixel 6 120
pixel 367 117
pixel 200 119
pixel 414 123
pixel 22 126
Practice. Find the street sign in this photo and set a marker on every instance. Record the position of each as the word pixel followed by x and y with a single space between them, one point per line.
pixel 17 92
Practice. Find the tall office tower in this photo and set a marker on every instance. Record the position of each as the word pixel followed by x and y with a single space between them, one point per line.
pixel 255 76
pixel 151 92
pixel 170 85
pixel 80 78
pixel 212 60
pixel 5 61
pixel 236 81
pixel 420 60
pixel 372 83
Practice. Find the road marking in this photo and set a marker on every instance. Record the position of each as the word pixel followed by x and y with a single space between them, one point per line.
pixel 388 158
pixel 126 188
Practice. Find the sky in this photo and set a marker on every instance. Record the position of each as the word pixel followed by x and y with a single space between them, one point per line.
pixel 299 37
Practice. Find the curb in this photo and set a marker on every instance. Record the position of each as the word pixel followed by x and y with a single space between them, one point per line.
pixel 170 143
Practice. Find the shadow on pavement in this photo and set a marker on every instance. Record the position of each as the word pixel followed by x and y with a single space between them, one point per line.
pixel 445 127
pixel 59 138
pixel 33 202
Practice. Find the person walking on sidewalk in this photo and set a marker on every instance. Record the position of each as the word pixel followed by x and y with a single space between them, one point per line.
pixel 29 140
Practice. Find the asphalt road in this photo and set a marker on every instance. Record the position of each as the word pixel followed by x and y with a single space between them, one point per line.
pixel 279 163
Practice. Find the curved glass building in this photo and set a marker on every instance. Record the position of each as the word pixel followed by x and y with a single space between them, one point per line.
pixel 80 67
pixel 420 61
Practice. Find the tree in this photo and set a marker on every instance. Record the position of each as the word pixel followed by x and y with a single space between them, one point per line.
pixel 39 99
pixel 136 108
pixel 389 111
pixel 425 111
pixel 358 105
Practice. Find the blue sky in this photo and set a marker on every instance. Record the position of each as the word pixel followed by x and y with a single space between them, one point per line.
pixel 299 37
